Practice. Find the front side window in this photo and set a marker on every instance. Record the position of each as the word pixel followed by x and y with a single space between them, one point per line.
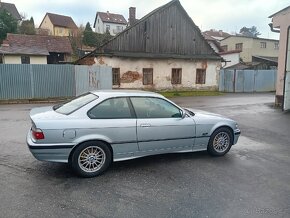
pixel 25 59
pixel 239 46
pixel 116 76
pixel 148 107
pixel 75 104
pixel 200 76
pixel 176 75
pixel 147 76
pixel 263 44
pixel 113 108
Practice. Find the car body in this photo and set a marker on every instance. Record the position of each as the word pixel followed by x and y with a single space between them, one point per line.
pixel 99 127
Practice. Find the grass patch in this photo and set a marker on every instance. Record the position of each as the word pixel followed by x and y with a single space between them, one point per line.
pixel 172 94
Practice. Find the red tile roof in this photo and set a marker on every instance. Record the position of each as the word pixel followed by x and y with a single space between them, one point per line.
pixel 35 44
pixel 61 21
pixel 216 33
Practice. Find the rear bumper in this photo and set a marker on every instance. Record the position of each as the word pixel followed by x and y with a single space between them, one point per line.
pixel 237 134
pixel 49 152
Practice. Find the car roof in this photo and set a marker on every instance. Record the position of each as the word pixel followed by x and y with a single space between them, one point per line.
pixel 124 92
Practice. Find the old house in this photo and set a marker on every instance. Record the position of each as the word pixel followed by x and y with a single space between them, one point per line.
pixel 106 21
pixel 58 25
pixel 163 50
pixel 35 49
pixel 11 9
pixel 281 23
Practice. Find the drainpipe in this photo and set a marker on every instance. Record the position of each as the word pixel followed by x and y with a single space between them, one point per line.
pixel 272 28
pixel 285 72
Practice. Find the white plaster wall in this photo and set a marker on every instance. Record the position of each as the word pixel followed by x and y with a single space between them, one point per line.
pixel 16 59
pixel 234 58
pixel 12 59
pixel 162 72
pixel 38 60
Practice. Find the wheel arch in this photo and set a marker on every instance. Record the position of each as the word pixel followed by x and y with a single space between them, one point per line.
pixel 93 141
pixel 215 128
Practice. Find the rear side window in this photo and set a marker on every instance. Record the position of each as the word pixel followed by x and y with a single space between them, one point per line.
pixel 75 104
pixel 113 108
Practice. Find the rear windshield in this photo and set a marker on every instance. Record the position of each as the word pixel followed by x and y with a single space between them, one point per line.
pixel 75 104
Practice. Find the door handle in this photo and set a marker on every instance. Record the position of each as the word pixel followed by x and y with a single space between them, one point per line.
pixel 145 125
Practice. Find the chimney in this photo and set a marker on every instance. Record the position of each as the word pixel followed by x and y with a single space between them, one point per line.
pixel 108 13
pixel 220 32
pixel 132 15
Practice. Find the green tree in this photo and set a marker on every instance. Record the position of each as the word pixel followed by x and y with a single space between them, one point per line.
pixel 88 35
pixel 250 31
pixel 8 24
pixel 27 27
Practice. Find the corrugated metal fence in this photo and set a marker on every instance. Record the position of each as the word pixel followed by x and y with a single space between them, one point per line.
pixel 28 81
pixel 247 80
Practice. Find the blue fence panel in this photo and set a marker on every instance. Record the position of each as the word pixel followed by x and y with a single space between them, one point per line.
pixel 265 80
pixel 222 81
pixel 249 80
pixel 53 81
pixel 229 80
pixel 239 81
pixel 15 81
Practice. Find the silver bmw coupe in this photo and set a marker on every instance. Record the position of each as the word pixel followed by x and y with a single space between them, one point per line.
pixel 99 127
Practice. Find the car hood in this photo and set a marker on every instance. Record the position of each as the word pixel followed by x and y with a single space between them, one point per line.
pixel 205 114
pixel 45 113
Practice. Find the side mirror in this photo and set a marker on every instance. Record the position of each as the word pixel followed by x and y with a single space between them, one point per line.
pixel 183 114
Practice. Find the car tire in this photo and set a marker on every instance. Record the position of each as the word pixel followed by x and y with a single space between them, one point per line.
pixel 91 159
pixel 220 142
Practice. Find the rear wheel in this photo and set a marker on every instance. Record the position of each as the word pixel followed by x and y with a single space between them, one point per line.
pixel 220 142
pixel 91 159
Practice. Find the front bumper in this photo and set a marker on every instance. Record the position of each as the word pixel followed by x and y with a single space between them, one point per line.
pixel 49 152
pixel 237 134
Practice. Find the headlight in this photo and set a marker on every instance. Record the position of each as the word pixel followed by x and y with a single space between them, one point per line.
pixel 236 126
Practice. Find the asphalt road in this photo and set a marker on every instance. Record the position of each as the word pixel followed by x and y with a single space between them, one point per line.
pixel 252 180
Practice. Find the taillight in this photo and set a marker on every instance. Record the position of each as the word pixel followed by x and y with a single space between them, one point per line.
pixel 37 133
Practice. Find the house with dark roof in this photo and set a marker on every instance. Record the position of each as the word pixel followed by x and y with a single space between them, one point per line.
pixel 11 9
pixel 35 49
pixel 162 50
pixel 106 21
pixel 58 25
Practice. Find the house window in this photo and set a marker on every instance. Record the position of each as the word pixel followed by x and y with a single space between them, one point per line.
pixel 176 75
pixel 116 76
pixel 276 45
pixel 263 44
pixel 107 28
pixel 225 48
pixel 147 76
pixel 239 46
pixel 200 76
pixel 25 60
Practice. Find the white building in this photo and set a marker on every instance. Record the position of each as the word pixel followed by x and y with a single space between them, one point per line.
pixel 106 21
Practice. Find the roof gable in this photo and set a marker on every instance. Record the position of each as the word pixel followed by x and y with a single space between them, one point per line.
pixel 60 20
pixel 11 8
pixel 168 31
pixel 279 12
pixel 107 17
pixel 35 44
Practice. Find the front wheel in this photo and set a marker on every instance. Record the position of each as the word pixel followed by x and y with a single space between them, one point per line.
pixel 91 159
pixel 220 142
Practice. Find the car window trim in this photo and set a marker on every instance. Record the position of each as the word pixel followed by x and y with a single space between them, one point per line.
pixel 133 116
pixel 157 98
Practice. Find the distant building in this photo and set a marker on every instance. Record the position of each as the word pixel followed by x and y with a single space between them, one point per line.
pixel 11 9
pixel 250 47
pixel 58 25
pixel 106 21
pixel 216 34
pixel 35 49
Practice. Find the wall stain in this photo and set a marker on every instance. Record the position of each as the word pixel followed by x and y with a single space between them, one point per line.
pixel 130 76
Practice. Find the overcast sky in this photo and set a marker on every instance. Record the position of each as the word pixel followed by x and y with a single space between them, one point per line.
pixel 227 15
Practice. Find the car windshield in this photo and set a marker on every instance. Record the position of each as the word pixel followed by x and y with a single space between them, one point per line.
pixel 75 104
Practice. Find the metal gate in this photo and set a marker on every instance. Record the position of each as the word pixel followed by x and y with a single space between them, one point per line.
pixel 286 104
pixel 247 80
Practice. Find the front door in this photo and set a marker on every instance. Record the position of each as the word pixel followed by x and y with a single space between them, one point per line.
pixel 160 126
